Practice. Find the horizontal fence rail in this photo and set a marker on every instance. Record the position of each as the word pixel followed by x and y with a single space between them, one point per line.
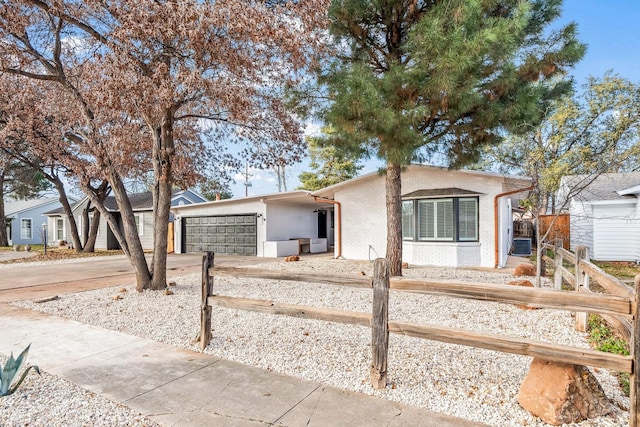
pixel 621 307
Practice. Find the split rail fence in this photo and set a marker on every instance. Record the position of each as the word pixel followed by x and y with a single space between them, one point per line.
pixel 381 326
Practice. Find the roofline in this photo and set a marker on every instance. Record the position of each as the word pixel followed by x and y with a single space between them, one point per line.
pixel 631 190
pixel 51 200
pixel 612 201
pixel 331 189
pixel 260 198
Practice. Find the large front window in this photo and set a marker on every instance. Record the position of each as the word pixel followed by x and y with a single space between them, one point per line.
pixel 446 219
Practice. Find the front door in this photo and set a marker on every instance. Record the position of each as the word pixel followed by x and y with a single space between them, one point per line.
pixel 322 224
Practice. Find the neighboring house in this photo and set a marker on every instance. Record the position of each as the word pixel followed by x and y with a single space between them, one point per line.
pixel 142 204
pixel 269 225
pixel 25 219
pixel 449 219
pixel 604 214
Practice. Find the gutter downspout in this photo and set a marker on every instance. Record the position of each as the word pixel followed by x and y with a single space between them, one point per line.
pixel 338 223
pixel 496 240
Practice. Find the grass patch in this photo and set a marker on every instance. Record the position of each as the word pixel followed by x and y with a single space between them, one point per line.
pixel 603 338
pixel 55 254
pixel 623 270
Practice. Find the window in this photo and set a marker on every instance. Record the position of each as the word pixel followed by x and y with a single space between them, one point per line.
pixel 468 219
pixel 139 223
pixel 25 229
pixel 407 219
pixel 447 219
pixel 59 229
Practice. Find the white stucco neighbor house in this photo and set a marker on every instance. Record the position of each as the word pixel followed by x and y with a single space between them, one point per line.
pixel 450 218
pixel 604 213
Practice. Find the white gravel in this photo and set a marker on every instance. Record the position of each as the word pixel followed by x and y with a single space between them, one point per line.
pixel 475 384
pixel 49 401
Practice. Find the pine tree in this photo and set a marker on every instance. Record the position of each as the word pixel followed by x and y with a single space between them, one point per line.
pixel 414 79
pixel 331 164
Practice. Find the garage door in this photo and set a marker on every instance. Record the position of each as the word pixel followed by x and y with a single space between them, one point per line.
pixel 224 235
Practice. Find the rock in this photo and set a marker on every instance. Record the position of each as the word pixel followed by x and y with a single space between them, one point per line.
pixel 173 284
pixel 405 265
pixel 562 393
pixel 122 290
pixel 527 284
pixel 525 270
pixel 118 297
pixel 168 291
pixel 46 299
pixel 292 258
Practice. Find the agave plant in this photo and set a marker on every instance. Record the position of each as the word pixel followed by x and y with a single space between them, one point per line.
pixel 10 370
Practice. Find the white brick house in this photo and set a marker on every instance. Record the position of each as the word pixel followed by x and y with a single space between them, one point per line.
pixel 450 217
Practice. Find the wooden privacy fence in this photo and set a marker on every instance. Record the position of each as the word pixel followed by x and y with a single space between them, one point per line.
pixel 381 326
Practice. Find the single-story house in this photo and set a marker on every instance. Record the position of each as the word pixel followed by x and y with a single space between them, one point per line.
pixel 604 214
pixel 269 225
pixel 450 218
pixel 26 217
pixel 142 204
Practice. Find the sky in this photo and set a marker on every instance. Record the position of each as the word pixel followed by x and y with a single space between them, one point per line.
pixel 609 28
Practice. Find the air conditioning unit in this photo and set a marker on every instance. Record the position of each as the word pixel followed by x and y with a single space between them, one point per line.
pixel 521 246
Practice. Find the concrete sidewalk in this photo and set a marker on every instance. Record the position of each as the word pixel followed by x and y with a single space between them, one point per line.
pixel 175 387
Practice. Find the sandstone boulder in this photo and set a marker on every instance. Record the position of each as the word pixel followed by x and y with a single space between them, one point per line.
pixel 527 284
pixel 562 393
pixel 525 270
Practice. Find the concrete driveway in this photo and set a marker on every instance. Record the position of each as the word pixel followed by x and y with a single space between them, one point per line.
pixel 24 281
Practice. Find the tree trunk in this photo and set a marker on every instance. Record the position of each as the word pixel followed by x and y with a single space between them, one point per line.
pixel 132 238
pixel 92 233
pixel 163 152
pixel 66 207
pixel 128 237
pixel 394 219
pixel 4 239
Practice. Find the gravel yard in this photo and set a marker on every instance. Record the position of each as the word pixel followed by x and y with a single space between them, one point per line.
pixel 475 384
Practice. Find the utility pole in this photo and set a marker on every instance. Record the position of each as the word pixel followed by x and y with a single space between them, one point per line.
pixel 247 184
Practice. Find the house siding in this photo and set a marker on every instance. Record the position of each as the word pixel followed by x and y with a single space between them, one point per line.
pixel 581 224
pixel 612 224
pixel 37 218
pixel 288 221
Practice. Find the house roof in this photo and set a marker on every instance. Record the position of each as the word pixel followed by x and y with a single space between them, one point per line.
pixel 329 191
pixel 13 208
pixel 139 201
pixel 607 186
pixel 439 192
pixel 295 196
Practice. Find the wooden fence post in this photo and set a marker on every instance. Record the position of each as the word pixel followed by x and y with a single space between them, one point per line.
pixel 582 252
pixel 557 267
pixel 634 381
pixel 205 311
pixel 380 324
